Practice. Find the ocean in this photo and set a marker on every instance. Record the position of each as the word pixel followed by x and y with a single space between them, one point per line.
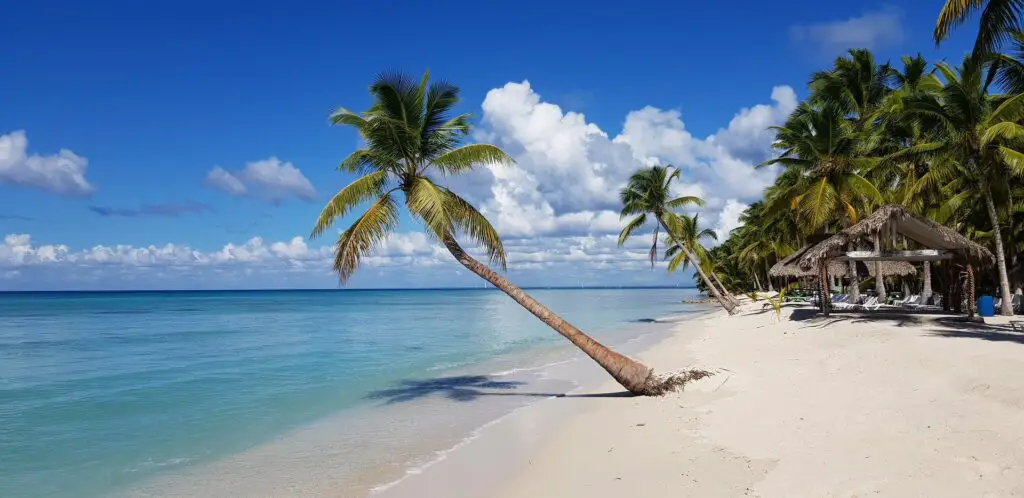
pixel 184 393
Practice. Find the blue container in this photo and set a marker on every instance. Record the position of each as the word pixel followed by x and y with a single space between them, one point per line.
pixel 986 306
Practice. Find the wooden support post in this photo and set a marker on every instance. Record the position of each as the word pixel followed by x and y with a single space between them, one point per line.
pixel 971 302
pixel 947 288
pixel 825 291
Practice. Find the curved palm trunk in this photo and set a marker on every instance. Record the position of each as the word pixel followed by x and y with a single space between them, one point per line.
pixel 728 304
pixel 631 374
pixel 728 295
pixel 1004 282
pixel 771 288
pixel 757 282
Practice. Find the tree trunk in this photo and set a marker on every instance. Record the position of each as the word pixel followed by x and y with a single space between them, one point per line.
pixel 726 303
pixel 823 293
pixel 879 281
pixel 631 374
pixel 771 288
pixel 728 295
pixel 926 291
pixel 757 282
pixel 971 302
pixel 1004 282
pixel 854 283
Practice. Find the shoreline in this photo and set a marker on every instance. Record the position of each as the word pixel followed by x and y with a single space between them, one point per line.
pixel 316 460
pixel 493 452
pixel 853 405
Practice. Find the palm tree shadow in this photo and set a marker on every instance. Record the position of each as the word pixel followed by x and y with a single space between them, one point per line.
pixel 466 388
pixel 956 328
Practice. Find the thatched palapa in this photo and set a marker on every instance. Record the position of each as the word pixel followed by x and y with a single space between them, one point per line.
pixel 889 222
pixel 789 267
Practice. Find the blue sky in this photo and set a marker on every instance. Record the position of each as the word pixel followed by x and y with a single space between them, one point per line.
pixel 114 115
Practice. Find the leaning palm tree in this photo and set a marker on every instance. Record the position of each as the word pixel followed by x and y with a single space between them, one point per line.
pixel 689 239
pixel 977 138
pixel 412 137
pixel 997 22
pixel 648 195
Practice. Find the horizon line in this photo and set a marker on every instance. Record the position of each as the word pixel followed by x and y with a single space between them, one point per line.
pixel 489 288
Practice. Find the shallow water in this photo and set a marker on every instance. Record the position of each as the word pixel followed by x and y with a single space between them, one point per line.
pixel 184 392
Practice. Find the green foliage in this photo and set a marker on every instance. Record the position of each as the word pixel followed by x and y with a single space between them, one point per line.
pixel 410 134
pixel 936 139
pixel 776 303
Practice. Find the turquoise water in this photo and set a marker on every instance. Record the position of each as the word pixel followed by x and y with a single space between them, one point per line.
pixel 101 391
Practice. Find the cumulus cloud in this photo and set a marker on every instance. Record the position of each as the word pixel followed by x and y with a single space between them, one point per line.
pixel 62 173
pixel 568 171
pixel 872 30
pixel 154 210
pixel 730 218
pixel 220 179
pixel 270 178
pixel 409 259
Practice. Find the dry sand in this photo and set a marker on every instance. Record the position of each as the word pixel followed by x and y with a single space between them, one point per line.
pixel 853 405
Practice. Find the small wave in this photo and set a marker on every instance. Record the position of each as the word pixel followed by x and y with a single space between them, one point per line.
pixel 151 464
pixel 516 370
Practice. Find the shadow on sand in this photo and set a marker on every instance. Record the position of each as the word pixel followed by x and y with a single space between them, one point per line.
pixel 466 388
pixel 958 329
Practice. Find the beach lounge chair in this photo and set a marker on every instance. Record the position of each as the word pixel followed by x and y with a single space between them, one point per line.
pixel 843 303
pixel 911 301
pixel 872 303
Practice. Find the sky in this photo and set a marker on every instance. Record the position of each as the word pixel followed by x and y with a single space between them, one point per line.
pixel 185 145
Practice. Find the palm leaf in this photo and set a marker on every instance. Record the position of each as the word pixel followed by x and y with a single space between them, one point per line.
pixel 379 220
pixel 361 190
pixel 470 222
pixel 462 159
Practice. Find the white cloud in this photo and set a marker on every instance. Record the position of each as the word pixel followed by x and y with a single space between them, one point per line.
pixel 729 219
pixel 220 179
pixel 412 256
pixel 270 178
pixel 61 173
pixel 872 30
pixel 568 171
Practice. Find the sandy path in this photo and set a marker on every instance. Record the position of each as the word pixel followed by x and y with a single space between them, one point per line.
pixel 907 406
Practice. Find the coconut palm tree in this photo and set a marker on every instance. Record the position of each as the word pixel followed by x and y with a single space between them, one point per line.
pixel 978 139
pixel 411 138
pixel 997 22
pixel 821 146
pixel 690 236
pixel 647 195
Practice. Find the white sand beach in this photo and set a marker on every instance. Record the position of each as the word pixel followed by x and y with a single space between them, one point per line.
pixel 852 405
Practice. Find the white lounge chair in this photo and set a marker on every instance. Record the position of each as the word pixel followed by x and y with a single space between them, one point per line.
pixel 872 303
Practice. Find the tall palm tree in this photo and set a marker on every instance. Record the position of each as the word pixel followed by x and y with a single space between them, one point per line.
pixel 411 137
pixel 912 182
pixel 978 139
pixel 829 184
pixel 997 22
pixel 859 86
pixel 648 195
pixel 689 238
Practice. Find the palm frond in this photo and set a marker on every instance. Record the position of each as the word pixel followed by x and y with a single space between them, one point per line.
pixel 362 189
pixel 379 220
pixel 463 158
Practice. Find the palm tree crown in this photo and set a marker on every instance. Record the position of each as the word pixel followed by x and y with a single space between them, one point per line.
pixel 410 135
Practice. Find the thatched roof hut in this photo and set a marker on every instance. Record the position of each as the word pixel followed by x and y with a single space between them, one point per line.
pixel 789 267
pixel 889 222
